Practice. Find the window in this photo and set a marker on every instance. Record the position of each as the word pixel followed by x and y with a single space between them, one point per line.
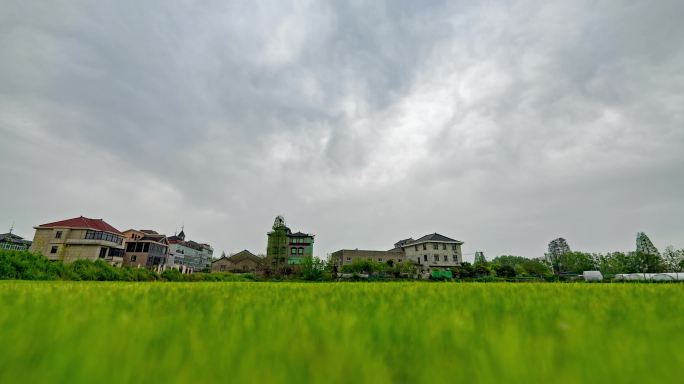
pixel 425 257
pixel 223 268
pixel 444 247
pixel 103 252
pixel 453 247
pixel 58 235
pixel 455 258
pixel 134 258
pixel 424 246
pixel 418 260
pixel 348 258
pixel 380 259
pixel 293 251
pixel 97 235
pixel 446 258
pixel 416 247
pixel 436 257
pixel 435 246
pixel 54 248
pixel 300 251
pixel 146 247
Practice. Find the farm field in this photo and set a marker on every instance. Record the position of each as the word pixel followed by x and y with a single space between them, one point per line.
pixel 78 332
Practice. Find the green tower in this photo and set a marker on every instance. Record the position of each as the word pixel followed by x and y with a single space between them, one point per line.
pixel 285 247
pixel 278 242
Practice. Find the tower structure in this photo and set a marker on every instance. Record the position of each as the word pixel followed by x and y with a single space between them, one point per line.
pixel 645 246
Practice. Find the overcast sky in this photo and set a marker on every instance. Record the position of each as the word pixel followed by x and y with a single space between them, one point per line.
pixel 503 124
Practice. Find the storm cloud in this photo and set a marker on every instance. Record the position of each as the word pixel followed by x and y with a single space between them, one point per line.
pixel 503 124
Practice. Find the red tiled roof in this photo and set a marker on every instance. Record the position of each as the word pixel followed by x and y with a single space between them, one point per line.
pixel 83 222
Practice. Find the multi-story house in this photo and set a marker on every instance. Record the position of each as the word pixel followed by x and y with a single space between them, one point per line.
pixel 145 248
pixel 195 256
pixel 11 242
pixel 285 247
pixel 428 253
pixel 433 251
pixel 79 238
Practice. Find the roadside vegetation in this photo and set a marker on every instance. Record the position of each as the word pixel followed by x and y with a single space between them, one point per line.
pixel 23 265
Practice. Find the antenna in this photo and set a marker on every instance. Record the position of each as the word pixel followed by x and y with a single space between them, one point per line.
pixel 11 229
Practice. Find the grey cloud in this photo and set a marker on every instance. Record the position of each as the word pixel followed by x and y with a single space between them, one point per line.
pixel 501 123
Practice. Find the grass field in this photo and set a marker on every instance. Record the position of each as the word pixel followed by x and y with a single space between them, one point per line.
pixel 72 332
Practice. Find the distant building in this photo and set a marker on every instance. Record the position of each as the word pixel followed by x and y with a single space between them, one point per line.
pixel 645 246
pixel 195 256
pixel 12 242
pixel 428 253
pixel 241 262
pixel 285 247
pixel 434 251
pixel 145 248
pixel 348 256
pixel 79 238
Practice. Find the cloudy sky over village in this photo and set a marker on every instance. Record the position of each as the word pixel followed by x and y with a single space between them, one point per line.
pixel 503 124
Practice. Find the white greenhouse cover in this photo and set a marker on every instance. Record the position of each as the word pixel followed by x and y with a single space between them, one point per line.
pixel 666 276
pixel 592 276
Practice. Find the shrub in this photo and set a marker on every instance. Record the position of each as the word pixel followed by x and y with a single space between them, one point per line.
pixel 505 271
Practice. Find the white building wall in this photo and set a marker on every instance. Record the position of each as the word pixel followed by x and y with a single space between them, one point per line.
pixel 451 250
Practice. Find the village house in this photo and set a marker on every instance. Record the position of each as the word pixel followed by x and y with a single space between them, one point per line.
pixel 12 242
pixel 433 251
pixel 145 248
pixel 349 256
pixel 79 238
pixel 189 254
pixel 428 253
pixel 287 248
pixel 241 262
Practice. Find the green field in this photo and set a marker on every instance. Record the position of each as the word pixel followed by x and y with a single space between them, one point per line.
pixel 71 332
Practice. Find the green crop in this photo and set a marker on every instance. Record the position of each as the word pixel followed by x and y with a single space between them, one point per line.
pixel 92 332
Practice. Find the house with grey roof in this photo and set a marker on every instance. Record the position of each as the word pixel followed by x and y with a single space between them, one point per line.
pixel 429 253
pixel 12 242
pixel 433 251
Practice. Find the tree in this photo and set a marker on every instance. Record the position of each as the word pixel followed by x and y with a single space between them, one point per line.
pixel 645 263
pixel 557 248
pixel 535 267
pixel 465 270
pixel 673 260
pixel 312 268
pixel 632 262
pixel 576 262
pixel 482 270
pixel 505 271
pixel 522 265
